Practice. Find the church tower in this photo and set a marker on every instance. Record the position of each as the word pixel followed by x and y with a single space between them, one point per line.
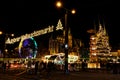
pixel 69 39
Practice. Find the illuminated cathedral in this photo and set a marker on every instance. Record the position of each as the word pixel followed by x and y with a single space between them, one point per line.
pixel 56 45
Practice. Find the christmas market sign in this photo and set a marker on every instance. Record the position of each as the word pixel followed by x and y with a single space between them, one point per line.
pixel 35 33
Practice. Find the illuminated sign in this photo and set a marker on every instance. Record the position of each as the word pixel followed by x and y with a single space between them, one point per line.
pixel 36 33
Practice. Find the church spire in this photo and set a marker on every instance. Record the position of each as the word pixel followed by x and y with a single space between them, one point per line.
pixel 94 27
pixel 69 31
pixel 104 28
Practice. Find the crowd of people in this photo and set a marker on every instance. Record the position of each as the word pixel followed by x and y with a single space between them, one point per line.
pixel 40 66
pixel 5 66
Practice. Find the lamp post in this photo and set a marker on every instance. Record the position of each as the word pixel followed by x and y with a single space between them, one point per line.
pixel 59 4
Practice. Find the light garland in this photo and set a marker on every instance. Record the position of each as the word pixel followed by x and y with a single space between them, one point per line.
pixel 35 33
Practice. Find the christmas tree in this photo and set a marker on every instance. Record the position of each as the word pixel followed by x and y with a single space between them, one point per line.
pixel 102 41
pixel 99 44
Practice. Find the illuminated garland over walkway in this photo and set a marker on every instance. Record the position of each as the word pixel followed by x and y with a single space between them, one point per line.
pixel 35 33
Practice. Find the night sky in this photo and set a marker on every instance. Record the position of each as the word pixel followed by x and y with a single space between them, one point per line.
pixel 21 17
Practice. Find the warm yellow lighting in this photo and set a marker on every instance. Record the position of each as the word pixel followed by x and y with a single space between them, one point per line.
pixel 92 38
pixel 6 50
pixel 12 34
pixel 1 32
pixel 73 11
pixel 59 4
pixel 93 65
pixel 93 48
pixel 35 33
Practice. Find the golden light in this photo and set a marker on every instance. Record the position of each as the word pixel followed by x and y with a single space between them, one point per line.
pixel 12 35
pixel 92 38
pixel 58 4
pixel 6 50
pixel 1 32
pixel 73 11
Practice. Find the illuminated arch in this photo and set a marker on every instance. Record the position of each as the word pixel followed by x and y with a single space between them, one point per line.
pixel 27 48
